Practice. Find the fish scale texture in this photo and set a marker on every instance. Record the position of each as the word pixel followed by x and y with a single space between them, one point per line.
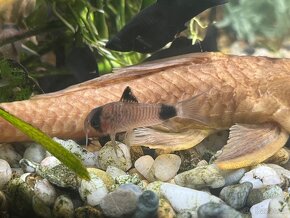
pixel 229 82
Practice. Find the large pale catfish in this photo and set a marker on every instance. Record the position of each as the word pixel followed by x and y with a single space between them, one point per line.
pixel 248 95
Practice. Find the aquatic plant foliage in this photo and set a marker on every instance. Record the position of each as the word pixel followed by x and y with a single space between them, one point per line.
pixel 65 156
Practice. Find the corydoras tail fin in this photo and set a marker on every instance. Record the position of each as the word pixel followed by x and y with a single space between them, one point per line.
pixel 250 145
pixel 191 108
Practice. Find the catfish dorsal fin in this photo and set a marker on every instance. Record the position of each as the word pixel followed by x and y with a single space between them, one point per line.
pixel 128 96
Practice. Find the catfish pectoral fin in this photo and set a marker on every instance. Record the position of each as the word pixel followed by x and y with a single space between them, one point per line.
pixel 250 145
pixel 158 139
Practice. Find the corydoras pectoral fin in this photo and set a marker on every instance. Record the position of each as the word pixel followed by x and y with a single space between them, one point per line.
pixel 173 141
pixel 128 96
pixel 249 145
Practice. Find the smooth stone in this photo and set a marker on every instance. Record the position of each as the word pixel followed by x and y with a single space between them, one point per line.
pixel 236 195
pixel 182 198
pixel 49 162
pixel 155 187
pixel 60 175
pixel 88 158
pixel 280 157
pixel 93 191
pixel 114 172
pixel 5 173
pixel 106 178
pixel 133 188
pixel 45 192
pixel 41 208
pixel 202 163
pixel 8 153
pixel 63 207
pixel 200 177
pixel 282 172
pixel 127 179
pixel 88 212
pixel 233 177
pixel 143 165
pixel 279 208
pixel 260 210
pixel 119 203
pixel 165 210
pixel 165 166
pixel 213 209
pixel 20 197
pixel 258 195
pixel 187 214
pixel 35 153
pixel 262 176
pixel 118 156
pixel 147 205
pixel 28 166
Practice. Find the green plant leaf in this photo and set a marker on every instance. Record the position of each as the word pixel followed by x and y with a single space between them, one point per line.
pixel 66 157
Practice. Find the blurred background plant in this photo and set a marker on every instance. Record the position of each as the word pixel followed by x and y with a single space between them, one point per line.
pixel 62 42
pixel 260 22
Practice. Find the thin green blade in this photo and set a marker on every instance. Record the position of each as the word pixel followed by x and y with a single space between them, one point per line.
pixel 66 157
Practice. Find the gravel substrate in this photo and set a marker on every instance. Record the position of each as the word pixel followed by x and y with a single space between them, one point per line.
pixel 125 182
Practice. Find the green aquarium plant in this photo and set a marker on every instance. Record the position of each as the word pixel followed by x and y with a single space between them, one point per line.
pixel 15 82
pixel 66 157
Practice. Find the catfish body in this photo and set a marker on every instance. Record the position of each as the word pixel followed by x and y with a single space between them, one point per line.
pixel 158 24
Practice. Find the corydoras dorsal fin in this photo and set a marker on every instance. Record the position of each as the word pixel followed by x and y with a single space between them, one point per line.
pixel 128 96
pixel 250 145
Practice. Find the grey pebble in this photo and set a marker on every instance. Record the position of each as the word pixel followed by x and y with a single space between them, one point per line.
pixel 133 188
pixel 258 195
pixel 119 203
pixel 236 195
pixel 217 210
pixel 200 177
pixel 147 205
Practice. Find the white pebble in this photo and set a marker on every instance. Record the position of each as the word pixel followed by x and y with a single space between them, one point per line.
pixel 115 155
pixel 49 162
pixel 35 153
pixel 260 210
pixel 89 159
pixel 114 172
pixel 93 191
pixel 279 208
pixel 5 173
pixel 182 198
pixel 45 191
pixel 166 166
pixel 143 166
pixel 8 153
pixel 262 176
